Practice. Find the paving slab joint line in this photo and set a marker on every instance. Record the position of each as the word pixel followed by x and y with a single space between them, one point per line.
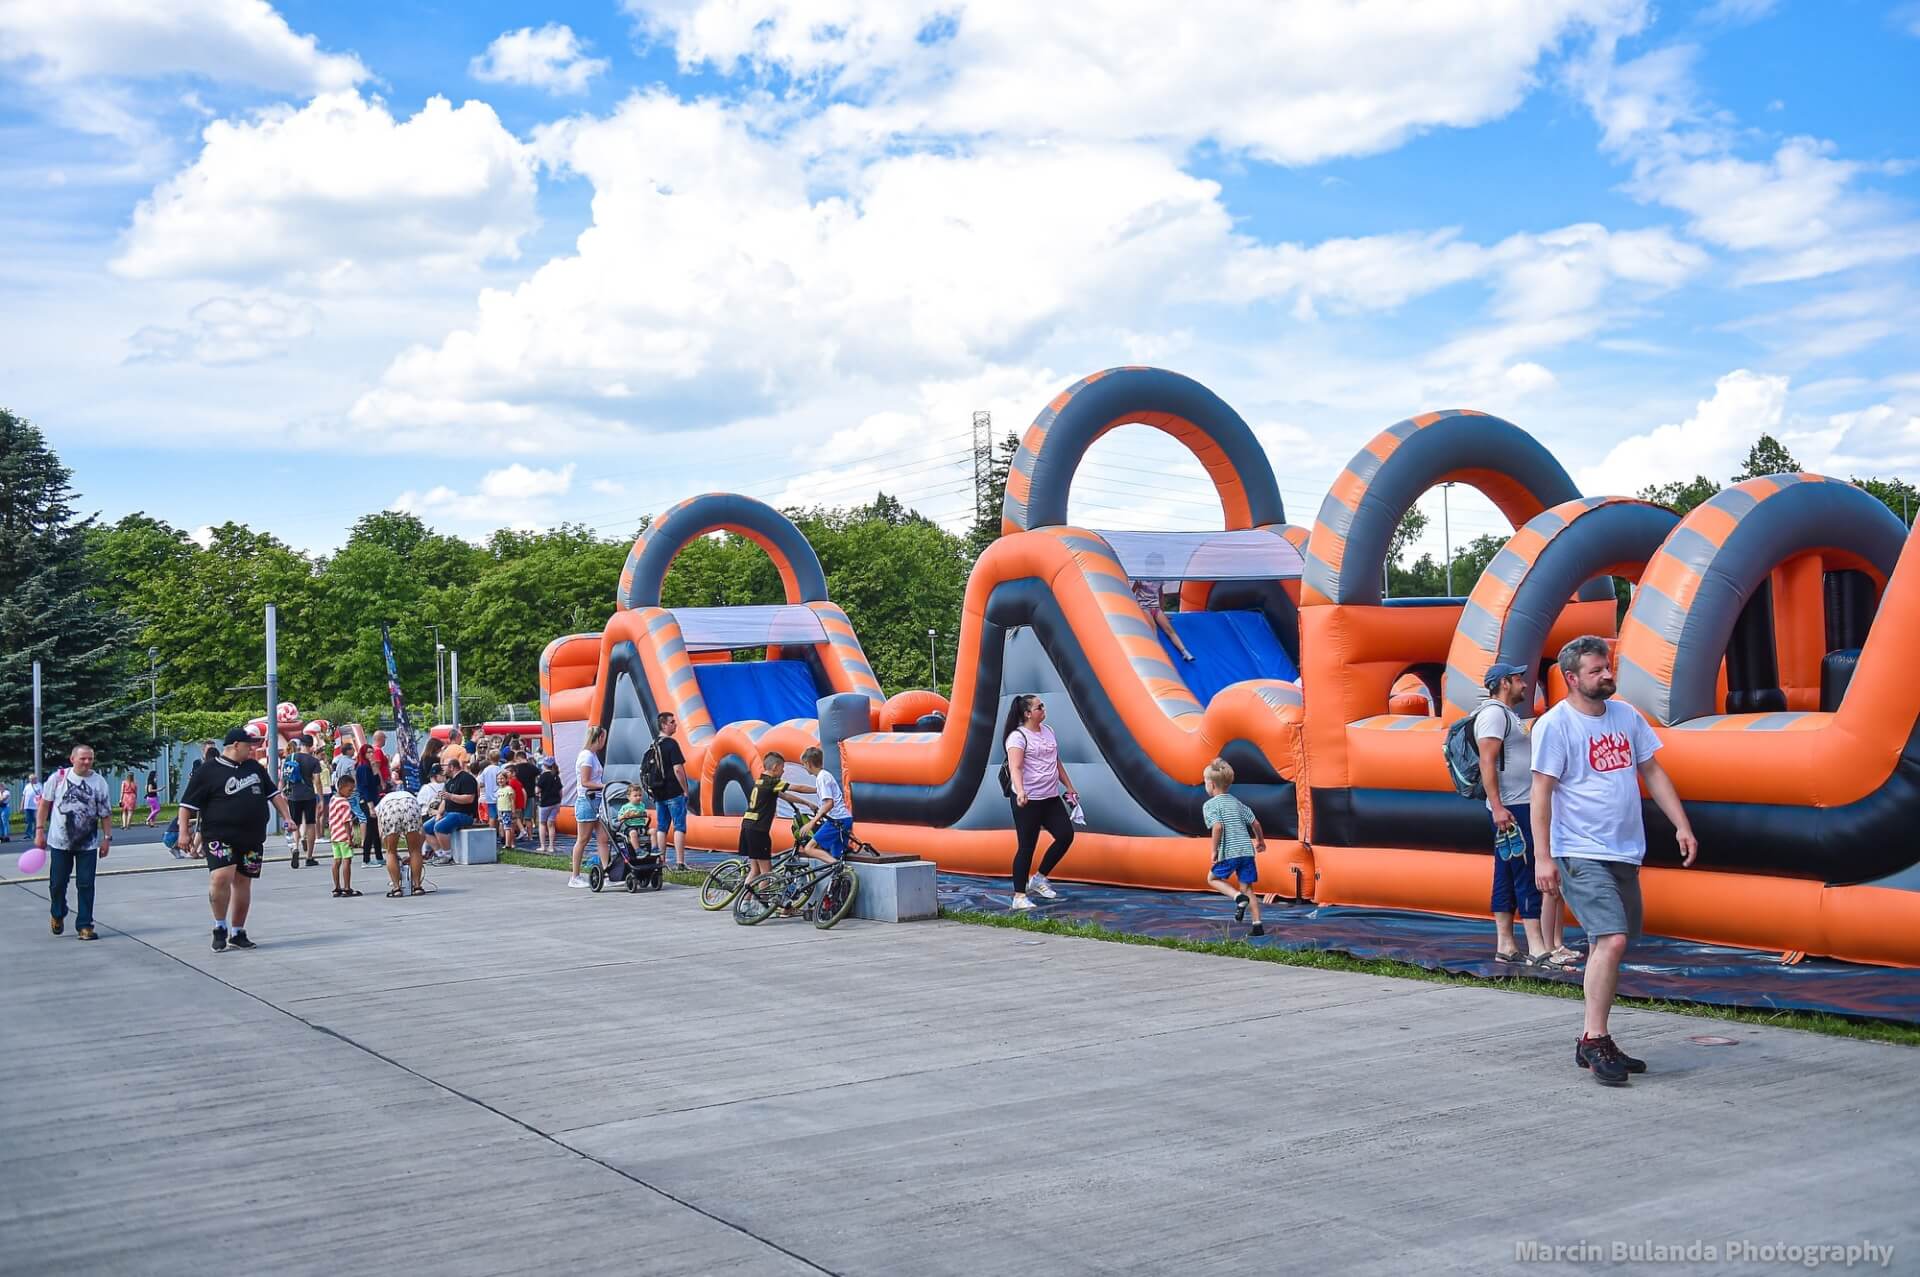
pixel 437 1084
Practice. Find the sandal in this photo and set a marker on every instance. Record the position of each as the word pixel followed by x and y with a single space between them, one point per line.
pixel 419 891
pixel 351 892
pixel 337 893
pixel 1512 955
pixel 1561 959
pixel 395 894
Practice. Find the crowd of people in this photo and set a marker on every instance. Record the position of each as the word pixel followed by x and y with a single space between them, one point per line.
pixel 1563 803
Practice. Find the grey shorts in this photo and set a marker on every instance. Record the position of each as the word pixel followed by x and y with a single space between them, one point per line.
pixel 1603 894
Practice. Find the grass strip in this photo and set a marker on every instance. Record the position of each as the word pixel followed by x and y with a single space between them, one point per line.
pixel 536 860
pixel 1328 960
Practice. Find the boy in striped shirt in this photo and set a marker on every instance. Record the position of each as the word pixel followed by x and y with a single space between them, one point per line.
pixel 340 833
pixel 1237 837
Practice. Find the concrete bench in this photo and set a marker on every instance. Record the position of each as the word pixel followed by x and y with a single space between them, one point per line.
pixel 476 845
pixel 895 891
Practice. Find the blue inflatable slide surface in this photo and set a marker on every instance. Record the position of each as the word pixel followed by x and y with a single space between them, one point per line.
pixel 1227 647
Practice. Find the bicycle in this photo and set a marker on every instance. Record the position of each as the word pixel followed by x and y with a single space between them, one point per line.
pixel 823 893
pixel 724 880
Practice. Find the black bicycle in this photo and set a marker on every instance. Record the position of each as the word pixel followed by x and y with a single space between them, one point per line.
pixel 821 893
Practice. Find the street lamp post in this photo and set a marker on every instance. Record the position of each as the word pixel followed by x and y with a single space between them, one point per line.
pixel 1446 531
pixel 439 685
pixel 933 661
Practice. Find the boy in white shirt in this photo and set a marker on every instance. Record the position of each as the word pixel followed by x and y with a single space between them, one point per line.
pixel 832 825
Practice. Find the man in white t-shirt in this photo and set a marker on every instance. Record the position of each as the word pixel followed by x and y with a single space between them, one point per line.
pixel 1590 755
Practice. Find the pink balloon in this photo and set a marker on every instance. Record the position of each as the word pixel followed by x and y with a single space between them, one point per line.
pixel 33 860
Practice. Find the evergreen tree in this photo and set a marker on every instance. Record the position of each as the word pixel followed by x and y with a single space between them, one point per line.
pixel 992 498
pixel 52 610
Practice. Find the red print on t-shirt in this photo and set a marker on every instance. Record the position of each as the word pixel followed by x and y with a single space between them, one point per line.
pixel 1609 752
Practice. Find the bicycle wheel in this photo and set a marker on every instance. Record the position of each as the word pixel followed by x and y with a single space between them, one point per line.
pixel 723 883
pixel 596 877
pixel 758 899
pixel 836 898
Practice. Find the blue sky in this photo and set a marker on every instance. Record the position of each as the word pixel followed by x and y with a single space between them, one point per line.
pixel 504 263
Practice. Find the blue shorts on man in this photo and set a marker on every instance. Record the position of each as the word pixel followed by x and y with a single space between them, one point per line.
pixel 671 814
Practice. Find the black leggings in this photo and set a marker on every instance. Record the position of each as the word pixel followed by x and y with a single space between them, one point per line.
pixel 370 848
pixel 1051 815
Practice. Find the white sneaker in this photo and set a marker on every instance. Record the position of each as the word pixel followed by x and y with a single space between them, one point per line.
pixel 576 881
pixel 1040 887
pixel 1021 903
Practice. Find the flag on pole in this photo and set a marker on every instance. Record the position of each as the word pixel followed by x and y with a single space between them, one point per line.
pixel 409 757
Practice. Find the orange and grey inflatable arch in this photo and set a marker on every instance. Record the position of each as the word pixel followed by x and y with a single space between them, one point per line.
pixel 1526 586
pixel 1346 555
pixel 655 549
pixel 1683 613
pixel 1041 473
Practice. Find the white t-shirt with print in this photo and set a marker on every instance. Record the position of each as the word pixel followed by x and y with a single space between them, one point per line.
pixel 1596 805
pixel 1494 721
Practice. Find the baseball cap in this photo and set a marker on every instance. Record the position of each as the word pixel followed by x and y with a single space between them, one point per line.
pixel 239 734
pixel 1501 669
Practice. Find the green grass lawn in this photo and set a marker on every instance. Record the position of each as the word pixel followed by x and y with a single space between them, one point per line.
pixel 1808 1021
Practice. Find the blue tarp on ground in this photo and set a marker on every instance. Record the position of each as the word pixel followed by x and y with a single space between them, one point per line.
pixel 772 691
pixel 1656 966
pixel 1227 647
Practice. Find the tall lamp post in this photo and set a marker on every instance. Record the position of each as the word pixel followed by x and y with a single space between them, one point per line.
pixel 933 661
pixel 1446 532
pixel 439 684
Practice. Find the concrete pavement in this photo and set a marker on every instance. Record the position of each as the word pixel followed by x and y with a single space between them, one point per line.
pixel 508 1076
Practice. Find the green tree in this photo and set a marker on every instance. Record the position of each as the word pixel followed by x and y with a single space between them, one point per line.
pixel 1767 456
pixel 1897 495
pixel 53 609
pixel 1400 581
pixel 1427 578
pixel 1681 496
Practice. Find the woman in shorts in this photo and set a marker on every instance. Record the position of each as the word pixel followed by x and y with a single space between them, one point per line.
pixel 398 814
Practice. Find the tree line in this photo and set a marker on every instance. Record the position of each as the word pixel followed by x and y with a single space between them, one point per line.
pixel 89 599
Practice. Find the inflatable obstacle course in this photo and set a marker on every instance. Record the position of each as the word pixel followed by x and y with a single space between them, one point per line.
pixel 1762 642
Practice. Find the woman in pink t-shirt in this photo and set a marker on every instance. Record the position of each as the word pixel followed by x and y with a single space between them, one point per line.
pixel 1042 797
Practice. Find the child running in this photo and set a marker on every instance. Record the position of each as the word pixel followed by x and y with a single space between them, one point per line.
pixel 1237 838
pixel 832 825
pixel 340 834
pixel 756 830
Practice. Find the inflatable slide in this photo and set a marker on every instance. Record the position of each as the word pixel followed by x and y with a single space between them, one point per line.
pixel 1761 642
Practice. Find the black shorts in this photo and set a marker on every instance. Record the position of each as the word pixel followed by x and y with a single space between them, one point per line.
pixel 301 809
pixel 756 843
pixel 225 855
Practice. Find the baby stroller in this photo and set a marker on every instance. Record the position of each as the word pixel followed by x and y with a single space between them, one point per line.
pixel 637 869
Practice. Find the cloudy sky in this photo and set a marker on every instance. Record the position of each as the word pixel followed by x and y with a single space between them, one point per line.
pixel 507 263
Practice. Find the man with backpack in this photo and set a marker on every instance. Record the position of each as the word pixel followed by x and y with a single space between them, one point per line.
pixel 1506 754
pixel 664 769
pixel 298 771
pixel 75 828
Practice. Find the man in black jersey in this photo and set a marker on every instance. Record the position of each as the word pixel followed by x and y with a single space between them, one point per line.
pixel 231 795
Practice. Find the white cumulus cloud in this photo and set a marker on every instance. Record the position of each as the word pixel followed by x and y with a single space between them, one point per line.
pixel 334 188
pixel 1713 441
pixel 228 330
pixel 550 57
pixel 517 496
pixel 1295 81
